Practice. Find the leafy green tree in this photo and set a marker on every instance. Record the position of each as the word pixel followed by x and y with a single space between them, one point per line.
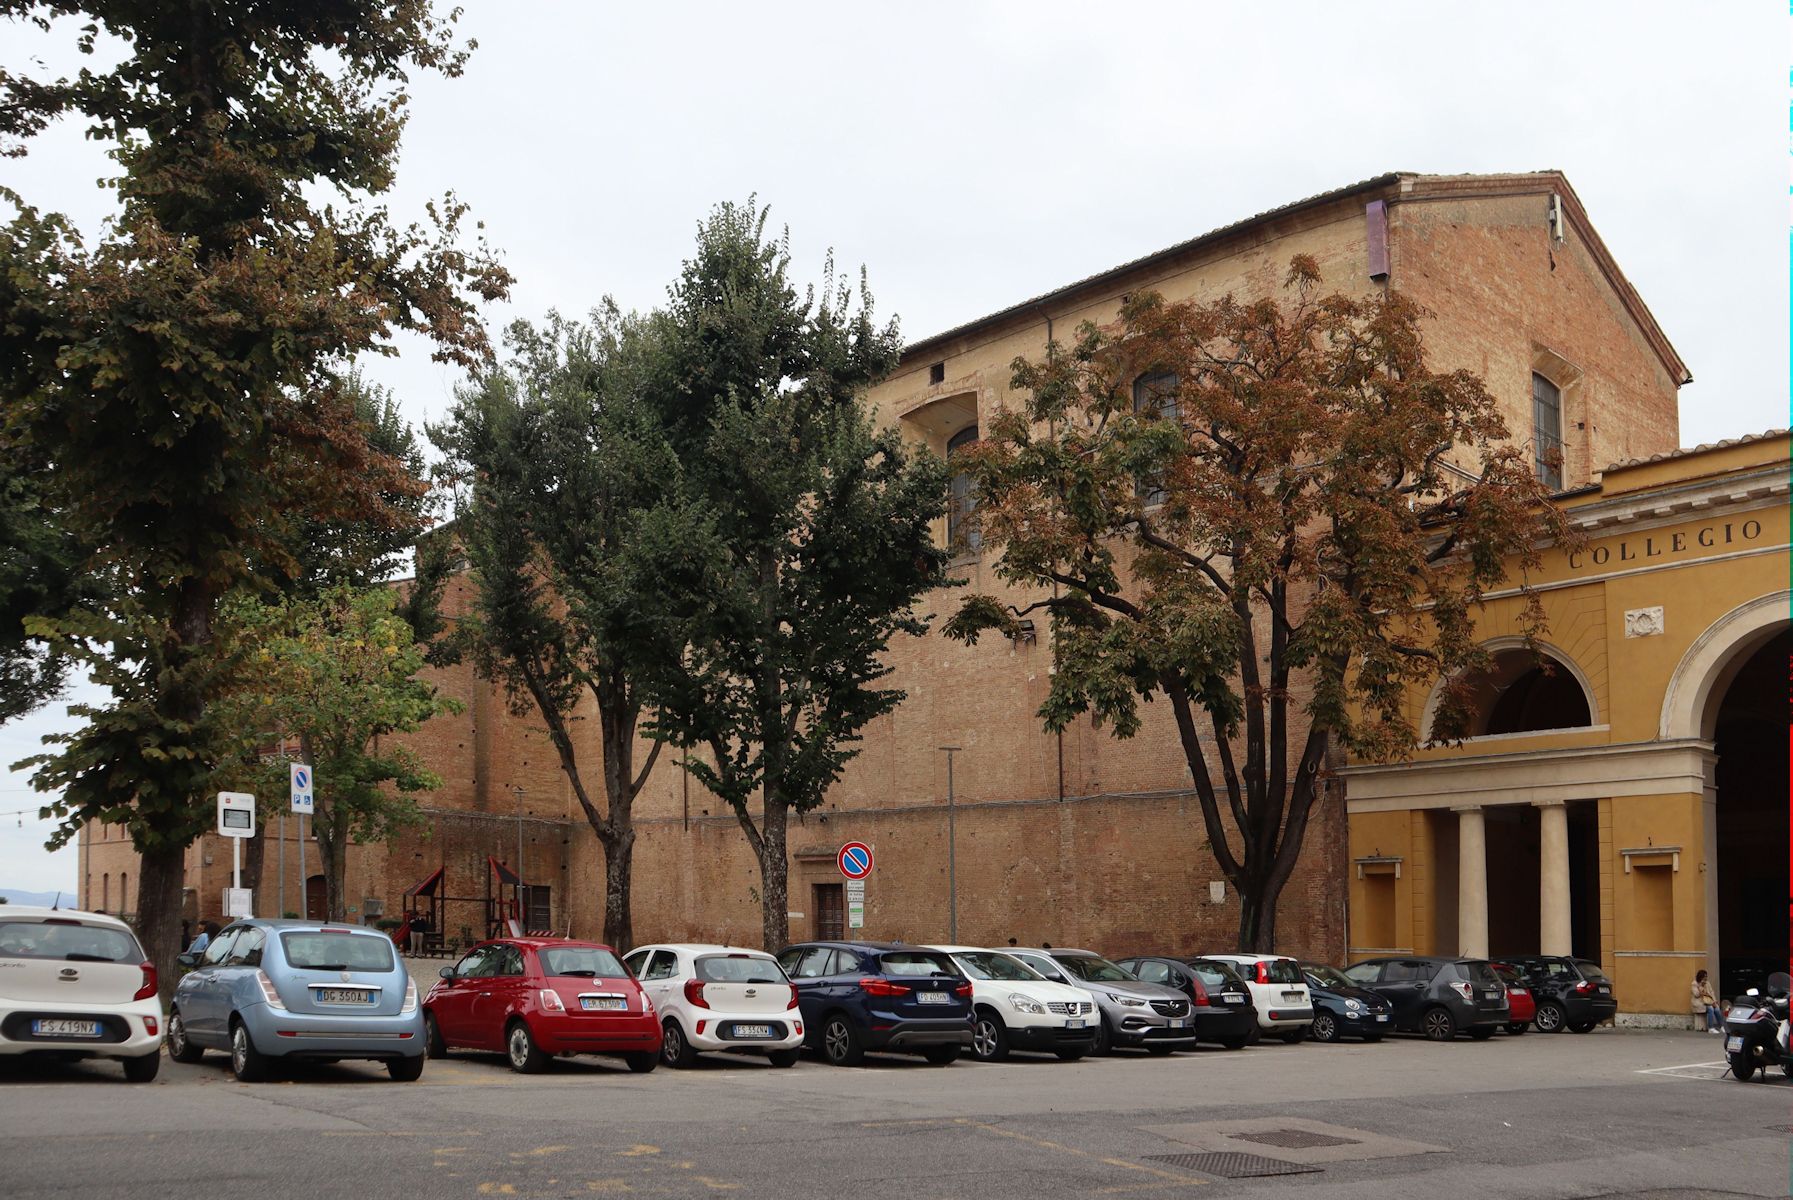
pixel 179 374
pixel 1241 503
pixel 802 540
pixel 40 575
pixel 339 674
pixel 565 466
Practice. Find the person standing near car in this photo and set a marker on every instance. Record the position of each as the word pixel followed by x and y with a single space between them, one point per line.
pixel 207 932
pixel 1705 1003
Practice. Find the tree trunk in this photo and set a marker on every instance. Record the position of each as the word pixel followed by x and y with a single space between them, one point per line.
pixel 255 857
pixel 1257 916
pixel 775 924
pixel 619 854
pixel 159 880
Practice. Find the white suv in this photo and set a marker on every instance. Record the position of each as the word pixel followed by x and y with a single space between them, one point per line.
pixel 77 985
pixel 719 998
pixel 1278 991
pixel 1017 1008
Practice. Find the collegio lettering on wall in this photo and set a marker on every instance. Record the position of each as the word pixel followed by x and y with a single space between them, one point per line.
pixel 1658 545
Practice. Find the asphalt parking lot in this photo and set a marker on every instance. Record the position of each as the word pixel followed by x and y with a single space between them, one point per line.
pixel 1609 1113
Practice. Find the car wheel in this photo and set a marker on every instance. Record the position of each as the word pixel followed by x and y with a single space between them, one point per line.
pixel 1481 1033
pixel 1583 1027
pixel 941 1056
pixel 1517 1027
pixel 784 1058
pixel 180 1049
pixel 526 1058
pixel 1255 1036
pixel 1549 1018
pixel 1742 1066
pixel 246 1062
pixel 1070 1055
pixel 1292 1036
pixel 143 1068
pixel 433 1045
pixel 1104 1037
pixel 1438 1025
pixel 1326 1027
pixel 405 1070
pixel 674 1048
pixel 1235 1043
pixel 989 1037
pixel 1159 1048
pixel 642 1061
pixel 840 1042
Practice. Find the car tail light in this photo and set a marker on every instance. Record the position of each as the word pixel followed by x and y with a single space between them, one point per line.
pixel 694 993
pixel 793 1000
pixel 1463 989
pixel 871 985
pixel 327 930
pixel 151 1026
pixel 147 989
pixel 268 991
pixel 963 991
pixel 1198 992
pixel 1261 972
pixel 700 1028
pixel 410 1004
pixel 551 1001
pixel 1584 988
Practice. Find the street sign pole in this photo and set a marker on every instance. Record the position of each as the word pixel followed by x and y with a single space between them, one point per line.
pixel 303 801
pixel 283 864
pixel 304 879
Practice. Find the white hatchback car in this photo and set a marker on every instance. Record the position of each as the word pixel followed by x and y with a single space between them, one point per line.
pixel 719 998
pixel 1017 1008
pixel 1278 991
pixel 78 985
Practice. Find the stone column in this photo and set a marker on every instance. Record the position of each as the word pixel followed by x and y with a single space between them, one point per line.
pixel 1555 930
pixel 1472 883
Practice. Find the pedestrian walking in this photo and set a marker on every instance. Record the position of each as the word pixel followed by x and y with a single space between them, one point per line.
pixel 1706 1004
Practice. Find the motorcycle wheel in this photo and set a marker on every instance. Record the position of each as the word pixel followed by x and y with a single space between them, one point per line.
pixel 1742 1067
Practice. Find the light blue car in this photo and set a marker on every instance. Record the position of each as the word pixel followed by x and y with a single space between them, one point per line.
pixel 272 990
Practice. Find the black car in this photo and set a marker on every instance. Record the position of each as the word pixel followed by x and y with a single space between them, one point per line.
pixel 1435 995
pixel 859 996
pixel 1221 1003
pixel 1572 993
pixel 1342 1009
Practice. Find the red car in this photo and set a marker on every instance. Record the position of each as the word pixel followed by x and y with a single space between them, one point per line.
pixel 1521 1005
pixel 533 998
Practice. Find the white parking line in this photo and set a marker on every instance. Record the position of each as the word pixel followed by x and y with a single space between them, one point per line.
pixel 1721 1064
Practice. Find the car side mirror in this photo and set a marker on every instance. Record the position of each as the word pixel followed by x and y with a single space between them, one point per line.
pixel 187 960
pixel 446 973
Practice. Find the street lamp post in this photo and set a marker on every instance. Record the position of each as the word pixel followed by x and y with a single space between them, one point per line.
pixel 952 851
pixel 520 790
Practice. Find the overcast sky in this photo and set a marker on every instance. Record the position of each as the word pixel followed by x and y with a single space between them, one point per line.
pixel 972 155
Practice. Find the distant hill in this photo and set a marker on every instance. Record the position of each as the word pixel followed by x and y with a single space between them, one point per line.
pixel 14 896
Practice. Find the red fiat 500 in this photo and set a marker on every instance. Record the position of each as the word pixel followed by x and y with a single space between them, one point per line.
pixel 536 997
pixel 1522 1005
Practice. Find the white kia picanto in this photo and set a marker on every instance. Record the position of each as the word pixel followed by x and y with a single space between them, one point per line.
pixel 77 985
pixel 719 998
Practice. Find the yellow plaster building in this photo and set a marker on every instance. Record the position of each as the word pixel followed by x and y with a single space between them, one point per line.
pixel 1631 805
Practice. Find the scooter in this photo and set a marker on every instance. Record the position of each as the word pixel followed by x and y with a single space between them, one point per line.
pixel 1756 1029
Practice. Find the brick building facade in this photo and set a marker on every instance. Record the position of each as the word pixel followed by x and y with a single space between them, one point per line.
pixel 1077 839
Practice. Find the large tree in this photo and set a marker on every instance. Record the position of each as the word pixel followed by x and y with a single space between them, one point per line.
pixel 178 371
pixel 804 536
pixel 564 465
pixel 1274 515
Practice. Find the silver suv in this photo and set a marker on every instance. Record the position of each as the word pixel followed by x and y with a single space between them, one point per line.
pixel 1134 1013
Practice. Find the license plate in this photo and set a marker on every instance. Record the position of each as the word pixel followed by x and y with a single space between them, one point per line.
pixel 1179 1023
pixel 1077 1024
pixel 753 1031
pixel 1734 1045
pixel 344 996
pixel 1291 995
pixel 1382 1016
pixel 933 998
pixel 609 1003
pixel 79 1029
pixel 1606 988
pixel 1491 995
pixel 1232 998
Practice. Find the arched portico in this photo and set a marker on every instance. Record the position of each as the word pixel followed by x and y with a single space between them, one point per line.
pixel 1713 660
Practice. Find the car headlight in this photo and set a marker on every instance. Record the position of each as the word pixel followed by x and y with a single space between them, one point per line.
pixel 1352 1005
pixel 1126 1001
pixel 1026 1004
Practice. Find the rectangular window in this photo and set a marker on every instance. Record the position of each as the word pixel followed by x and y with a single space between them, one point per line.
pixel 1547 431
pixel 936 373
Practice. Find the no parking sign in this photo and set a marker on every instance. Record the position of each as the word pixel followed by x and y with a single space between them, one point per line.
pixel 855 860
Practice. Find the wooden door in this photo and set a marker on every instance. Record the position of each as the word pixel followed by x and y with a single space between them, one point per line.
pixel 831 912
pixel 316 902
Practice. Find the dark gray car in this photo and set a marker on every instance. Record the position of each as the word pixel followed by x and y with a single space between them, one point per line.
pixel 1133 1012
pixel 1435 995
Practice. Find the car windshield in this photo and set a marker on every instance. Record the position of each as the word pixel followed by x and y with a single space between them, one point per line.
pixel 328 950
pixel 1591 971
pixel 988 964
pixel 1213 974
pixel 585 961
pixel 911 964
pixel 1281 970
pixel 1095 969
pixel 1327 977
pixel 738 968
pixel 1508 975
pixel 67 941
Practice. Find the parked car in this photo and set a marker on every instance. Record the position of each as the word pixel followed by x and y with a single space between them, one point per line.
pixel 78 985
pixel 272 991
pixel 1521 1008
pixel 1341 1008
pixel 719 998
pixel 860 996
pixel 532 998
pixel 1436 995
pixel 1278 990
pixel 1570 993
pixel 1132 1012
pixel 1014 1007
pixel 1218 998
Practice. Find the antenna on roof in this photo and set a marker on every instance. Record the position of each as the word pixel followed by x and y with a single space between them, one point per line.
pixel 57 902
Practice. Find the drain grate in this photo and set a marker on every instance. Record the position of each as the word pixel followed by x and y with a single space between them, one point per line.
pixel 1230 1164
pixel 1295 1139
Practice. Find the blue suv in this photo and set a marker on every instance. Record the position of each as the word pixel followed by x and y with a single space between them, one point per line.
pixel 859 996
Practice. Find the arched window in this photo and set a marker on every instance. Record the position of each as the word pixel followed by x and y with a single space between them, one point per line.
pixel 1522 692
pixel 1154 396
pixel 961 529
pixel 1547 431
